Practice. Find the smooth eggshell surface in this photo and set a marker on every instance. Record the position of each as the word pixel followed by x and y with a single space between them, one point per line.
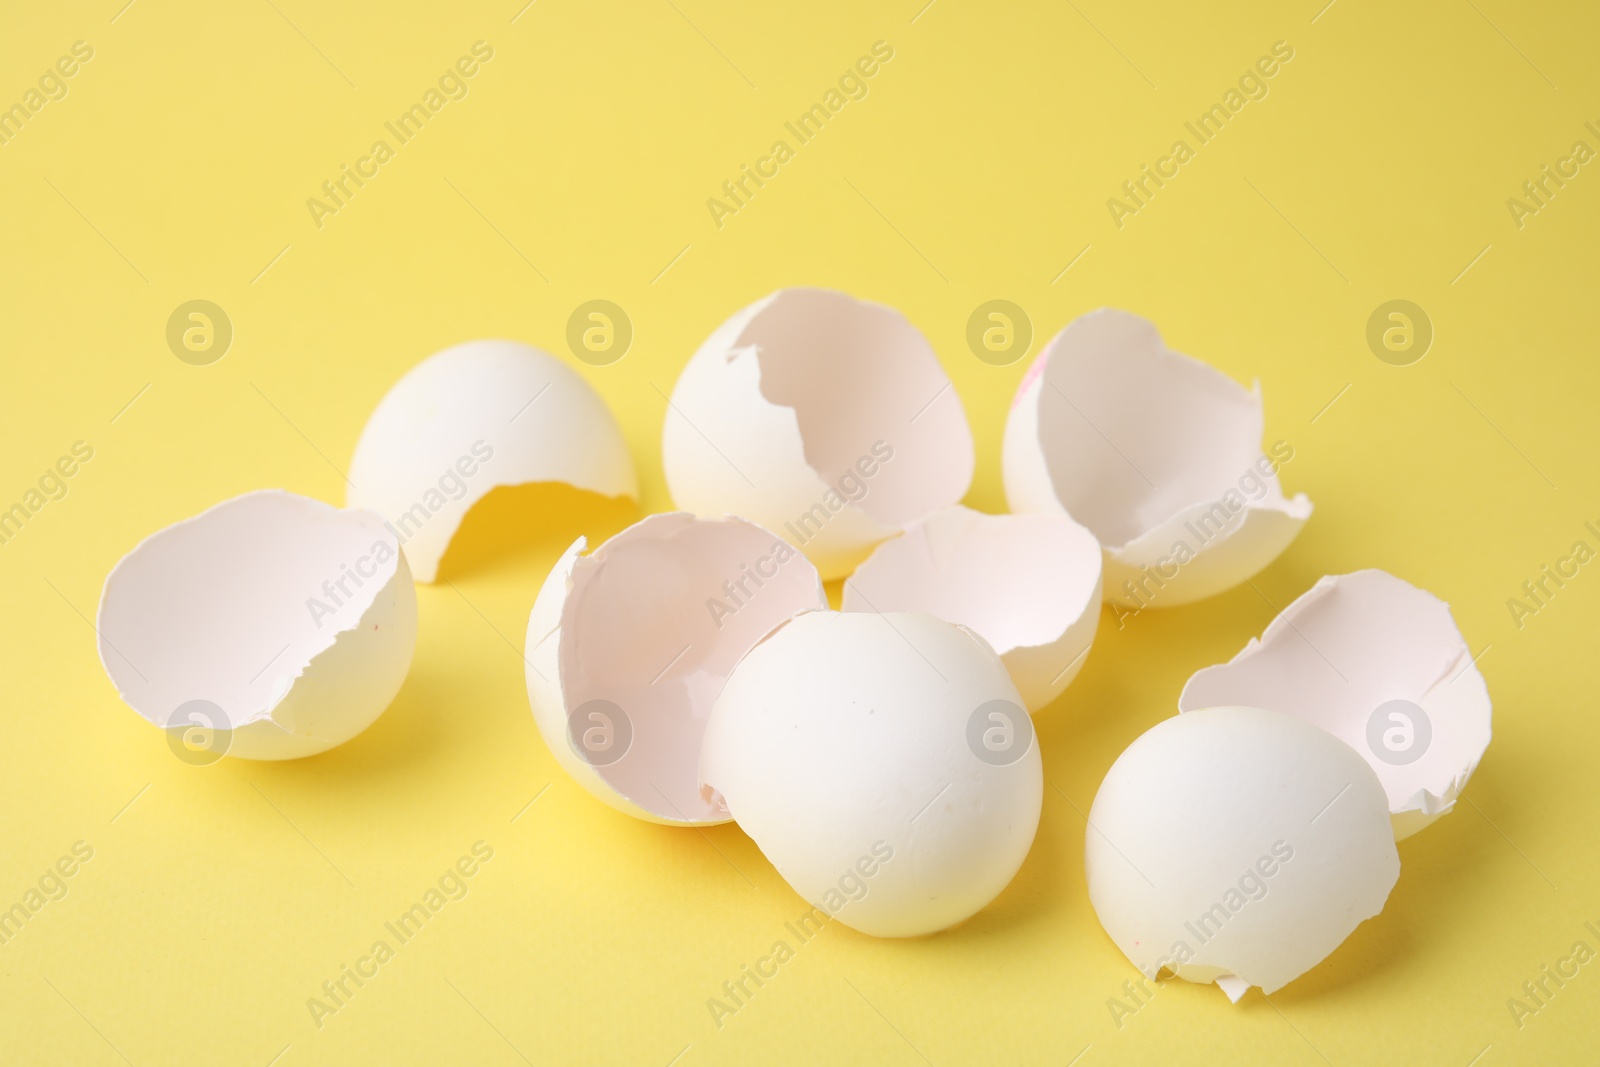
pixel 1237 845
pixel 882 763
pixel 473 417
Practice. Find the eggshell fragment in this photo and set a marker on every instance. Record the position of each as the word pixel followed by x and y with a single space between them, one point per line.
pixel 883 763
pixel 1379 664
pixel 469 419
pixel 826 419
pixel 629 646
pixel 1237 845
pixel 1028 584
pixel 293 620
pixel 1156 453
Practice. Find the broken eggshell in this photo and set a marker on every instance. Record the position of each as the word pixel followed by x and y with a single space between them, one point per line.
pixel 1381 665
pixel 1028 584
pixel 629 646
pixel 826 419
pixel 884 764
pixel 472 418
pixel 1155 452
pixel 1238 846
pixel 286 623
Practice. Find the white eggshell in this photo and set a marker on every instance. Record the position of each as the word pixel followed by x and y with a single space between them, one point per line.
pixel 629 646
pixel 1339 655
pixel 1237 845
pixel 1150 449
pixel 1028 584
pixel 840 744
pixel 469 419
pixel 826 419
pixel 295 619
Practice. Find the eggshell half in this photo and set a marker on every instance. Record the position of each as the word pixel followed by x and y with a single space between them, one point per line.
pixel 1151 450
pixel 1028 584
pixel 295 619
pixel 1341 656
pixel 469 419
pixel 1237 845
pixel 629 646
pixel 826 419
pixel 848 747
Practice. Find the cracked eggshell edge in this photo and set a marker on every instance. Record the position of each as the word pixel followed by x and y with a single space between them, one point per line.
pixel 268 732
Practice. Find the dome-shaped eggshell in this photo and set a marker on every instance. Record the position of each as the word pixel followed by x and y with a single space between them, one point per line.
pixel 826 419
pixel 474 417
pixel 842 745
pixel 543 673
pixel 1237 845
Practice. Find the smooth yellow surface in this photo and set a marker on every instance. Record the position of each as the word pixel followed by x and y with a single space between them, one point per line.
pixel 978 167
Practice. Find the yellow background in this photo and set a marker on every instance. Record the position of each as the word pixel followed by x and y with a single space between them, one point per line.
pixel 178 167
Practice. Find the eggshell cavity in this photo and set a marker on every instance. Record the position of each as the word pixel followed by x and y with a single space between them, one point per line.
pixel 1379 664
pixel 847 746
pixel 629 646
pixel 469 419
pixel 826 419
pixel 1237 845
pixel 1155 452
pixel 1028 584
pixel 294 619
